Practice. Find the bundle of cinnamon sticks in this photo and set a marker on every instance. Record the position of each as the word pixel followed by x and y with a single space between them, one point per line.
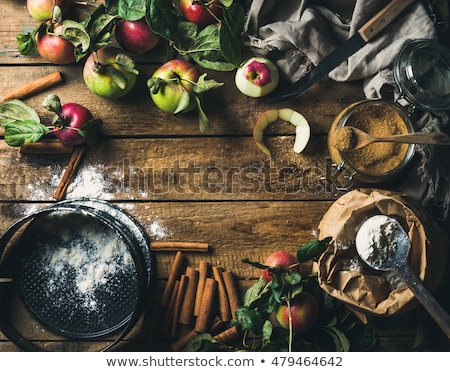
pixel 198 300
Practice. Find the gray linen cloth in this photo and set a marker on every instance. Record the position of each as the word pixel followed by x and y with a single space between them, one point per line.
pixel 303 32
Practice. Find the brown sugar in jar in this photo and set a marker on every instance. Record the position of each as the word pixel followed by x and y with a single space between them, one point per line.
pixel 376 161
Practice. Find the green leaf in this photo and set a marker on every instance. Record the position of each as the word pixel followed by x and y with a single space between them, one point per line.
pixel 20 133
pixel 204 85
pixel 162 18
pixel 312 250
pixel 339 338
pixel 203 121
pixel 99 26
pixel 230 33
pixel 184 102
pixel 267 331
pixel 255 264
pixel 52 103
pixel 127 63
pixel 250 320
pixel 254 292
pixel 26 43
pixel 76 33
pixel 16 110
pixel 132 10
pixel 89 131
pixel 116 75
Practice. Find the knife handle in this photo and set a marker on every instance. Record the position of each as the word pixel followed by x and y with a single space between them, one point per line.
pixel 382 19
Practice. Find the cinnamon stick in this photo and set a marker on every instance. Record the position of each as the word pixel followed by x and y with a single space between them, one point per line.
pixel 175 273
pixel 33 87
pixel 71 170
pixel 46 148
pixel 224 304
pixel 184 246
pixel 227 335
pixel 232 292
pixel 168 316
pixel 187 310
pixel 179 344
pixel 178 304
pixel 203 322
pixel 203 273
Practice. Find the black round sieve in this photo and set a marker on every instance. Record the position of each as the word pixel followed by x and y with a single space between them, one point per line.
pixel 92 293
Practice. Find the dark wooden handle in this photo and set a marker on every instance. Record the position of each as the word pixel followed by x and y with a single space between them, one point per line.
pixel 383 18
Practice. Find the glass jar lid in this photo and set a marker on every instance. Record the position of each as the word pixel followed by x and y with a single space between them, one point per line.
pixel 422 73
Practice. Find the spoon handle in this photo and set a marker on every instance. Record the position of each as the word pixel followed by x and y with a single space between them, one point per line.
pixel 418 138
pixel 441 317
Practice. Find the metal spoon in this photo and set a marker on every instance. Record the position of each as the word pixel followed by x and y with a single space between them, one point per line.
pixel 361 138
pixel 393 257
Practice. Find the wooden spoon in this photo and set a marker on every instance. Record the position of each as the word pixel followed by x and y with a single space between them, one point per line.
pixel 359 138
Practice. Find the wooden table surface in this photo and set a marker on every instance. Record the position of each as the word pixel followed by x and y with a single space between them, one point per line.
pixel 183 185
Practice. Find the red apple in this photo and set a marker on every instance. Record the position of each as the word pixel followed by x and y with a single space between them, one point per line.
pixel 65 125
pixel 172 86
pixel 201 12
pixel 135 36
pixel 109 73
pixel 42 10
pixel 303 310
pixel 257 77
pixel 52 47
pixel 280 259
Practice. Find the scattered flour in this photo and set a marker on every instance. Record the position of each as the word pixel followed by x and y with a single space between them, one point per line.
pixel 89 182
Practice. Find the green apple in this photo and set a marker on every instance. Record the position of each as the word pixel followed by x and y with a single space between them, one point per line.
pixel 172 86
pixel 42 10
pixel 110 73
pixel 257 77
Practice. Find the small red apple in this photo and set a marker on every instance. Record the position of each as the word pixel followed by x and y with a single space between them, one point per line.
pixel 135 36
pixel 257 77
pixel 52 47
pixel 280 259
pixel 42 10
pixel 72 117
pixel 303 310
pixel 73 124
pixel 201 12
pixel 171 86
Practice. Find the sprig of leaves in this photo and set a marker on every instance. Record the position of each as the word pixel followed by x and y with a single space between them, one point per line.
pixel 337 329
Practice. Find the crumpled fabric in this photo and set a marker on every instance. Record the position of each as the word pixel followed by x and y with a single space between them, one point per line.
pixel 302 33
pixel 307 32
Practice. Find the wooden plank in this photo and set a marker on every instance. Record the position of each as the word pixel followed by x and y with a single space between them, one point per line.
pixel 136 115
pixel 211 168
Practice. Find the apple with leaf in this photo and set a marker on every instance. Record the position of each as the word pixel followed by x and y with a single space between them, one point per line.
pixel 73 124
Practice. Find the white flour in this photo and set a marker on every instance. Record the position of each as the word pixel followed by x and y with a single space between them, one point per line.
pixel 84 259
pixel 378 238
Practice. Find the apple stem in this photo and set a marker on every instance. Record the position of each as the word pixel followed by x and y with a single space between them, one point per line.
pixel 290 323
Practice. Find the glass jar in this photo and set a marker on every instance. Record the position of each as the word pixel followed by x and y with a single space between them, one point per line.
pixel 376 162
pixel 422 75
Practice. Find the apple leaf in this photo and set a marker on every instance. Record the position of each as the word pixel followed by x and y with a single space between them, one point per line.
pixel 162 18
pixel 99 26
pixel 203 121
pixel 184 102
pixel 132 10
pixel 20 133
pixel 127 63
pixel 89 131
pixel 230 29
pixel 16 110
pixel 312 250
pixel 116 75
pixel 76 33
pixel 204 85
pixel 26 43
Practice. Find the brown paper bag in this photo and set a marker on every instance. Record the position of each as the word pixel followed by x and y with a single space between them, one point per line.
pixel 343 275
